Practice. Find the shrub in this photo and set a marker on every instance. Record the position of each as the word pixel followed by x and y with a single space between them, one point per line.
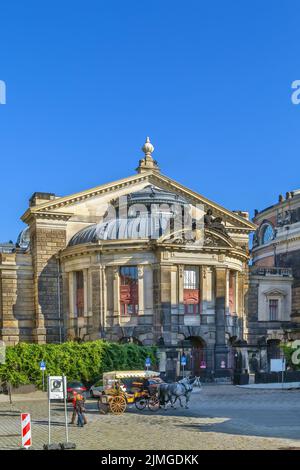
pixel 85 361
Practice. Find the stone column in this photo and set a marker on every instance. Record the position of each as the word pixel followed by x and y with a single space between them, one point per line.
pixel 236 292
pixel 242 288
pixel 157 310
pixel 94 294
pixel 9 328
pixel 203 290
pixel 90 291
pixel 65 304
pixel 174 289
pixel 227 308
pixel 72 310
pixel 85 291
pixel 221 350
pixel 71 295
pixel 116 283
pixel 166 302
pixel 180 289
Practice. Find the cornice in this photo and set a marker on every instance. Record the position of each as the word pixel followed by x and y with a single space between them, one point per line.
pixel 142 245
pixel 30 215
pixel 241 224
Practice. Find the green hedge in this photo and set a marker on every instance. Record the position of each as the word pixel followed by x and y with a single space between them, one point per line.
pixel 80 361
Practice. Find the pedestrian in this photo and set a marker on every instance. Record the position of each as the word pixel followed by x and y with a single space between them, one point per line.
pixel 80 409
pixel 74 414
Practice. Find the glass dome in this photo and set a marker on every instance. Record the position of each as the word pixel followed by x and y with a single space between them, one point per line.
pixel 147 223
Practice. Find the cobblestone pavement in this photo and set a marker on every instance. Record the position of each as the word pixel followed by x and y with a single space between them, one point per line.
pixel 219 417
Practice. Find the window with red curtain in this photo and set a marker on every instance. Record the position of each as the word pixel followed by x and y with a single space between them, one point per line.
pixel 79 293
pixel 191 292
pixel 129 300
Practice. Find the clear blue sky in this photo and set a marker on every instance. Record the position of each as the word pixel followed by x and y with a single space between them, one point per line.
pixel 210 82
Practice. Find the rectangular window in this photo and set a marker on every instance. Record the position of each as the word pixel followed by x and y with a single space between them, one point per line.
pixel 273 309
pixel 191 297
pixel 129 290
pixel 79 293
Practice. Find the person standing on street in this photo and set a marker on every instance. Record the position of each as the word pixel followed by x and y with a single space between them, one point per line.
pixel 79 407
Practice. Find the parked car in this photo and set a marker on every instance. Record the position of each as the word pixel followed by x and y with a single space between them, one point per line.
pixel 96 389
pixel 75 387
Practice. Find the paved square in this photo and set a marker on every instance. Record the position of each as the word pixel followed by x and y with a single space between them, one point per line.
pixel 219 417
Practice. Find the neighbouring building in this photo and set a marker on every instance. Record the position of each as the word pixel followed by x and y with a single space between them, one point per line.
pixel 117 262
pixel 274 294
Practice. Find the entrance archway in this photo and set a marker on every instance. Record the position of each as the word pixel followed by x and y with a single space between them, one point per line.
pixel 273 349
pixel 198 354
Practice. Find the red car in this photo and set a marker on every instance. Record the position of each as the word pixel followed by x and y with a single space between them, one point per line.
pixel 75 387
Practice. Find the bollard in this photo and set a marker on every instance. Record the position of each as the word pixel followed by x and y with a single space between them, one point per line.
pixel 26 430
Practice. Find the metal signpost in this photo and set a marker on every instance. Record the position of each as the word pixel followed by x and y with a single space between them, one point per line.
pixel 278 365
pixel 43 368
pixel 183 363
pixel 147 363
pixel 57 390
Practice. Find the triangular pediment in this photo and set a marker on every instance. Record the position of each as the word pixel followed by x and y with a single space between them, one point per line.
pixel 66 205
pixel 275 292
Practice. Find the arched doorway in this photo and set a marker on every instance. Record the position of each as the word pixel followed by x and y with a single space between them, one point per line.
pixel 198 355
pixel 273 349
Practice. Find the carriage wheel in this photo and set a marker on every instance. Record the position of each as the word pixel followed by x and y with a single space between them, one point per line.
pixel 153 403
pixel 117 405
pixel 141 403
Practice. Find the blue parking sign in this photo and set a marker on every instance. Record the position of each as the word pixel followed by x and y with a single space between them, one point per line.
pixel 148 362
pixel 42 365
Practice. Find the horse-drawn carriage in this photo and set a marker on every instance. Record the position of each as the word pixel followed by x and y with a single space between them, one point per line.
pixel 126 387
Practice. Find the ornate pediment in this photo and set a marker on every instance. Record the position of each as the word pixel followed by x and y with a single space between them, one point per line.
pixel 129 185
pixel 208 238
pixel 275 292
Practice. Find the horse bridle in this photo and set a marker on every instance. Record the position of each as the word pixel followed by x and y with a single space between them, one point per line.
pixel 187 389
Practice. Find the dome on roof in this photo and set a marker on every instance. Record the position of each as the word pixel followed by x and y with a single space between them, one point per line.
pixel 152 195
pixel 23 240
pixel 139 223
pixel 140 227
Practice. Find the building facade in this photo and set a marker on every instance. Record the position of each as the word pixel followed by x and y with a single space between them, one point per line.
pixel 143 259
pixel 274 294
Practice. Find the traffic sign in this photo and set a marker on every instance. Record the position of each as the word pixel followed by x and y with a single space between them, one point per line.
pixel 183 360
pixel 56 387
pixel 148 362
pixel 203 365
pixel 42 365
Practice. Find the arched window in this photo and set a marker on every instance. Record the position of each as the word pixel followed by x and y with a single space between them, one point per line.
pixel 267 233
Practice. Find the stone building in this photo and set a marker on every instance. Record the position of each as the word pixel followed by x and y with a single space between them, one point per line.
pixel 274 294
pixel 142 259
